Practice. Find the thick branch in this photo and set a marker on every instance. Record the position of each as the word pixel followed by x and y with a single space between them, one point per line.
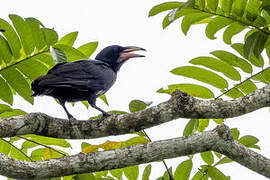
pixel 181 105
pixel 219 139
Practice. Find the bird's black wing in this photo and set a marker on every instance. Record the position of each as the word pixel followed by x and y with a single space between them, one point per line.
pixel 83 75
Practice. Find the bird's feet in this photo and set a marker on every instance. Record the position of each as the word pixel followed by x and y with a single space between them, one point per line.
pixel 70 117
pixel 104 116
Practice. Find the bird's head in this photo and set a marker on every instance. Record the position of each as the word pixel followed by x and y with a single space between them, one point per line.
pixel 116 55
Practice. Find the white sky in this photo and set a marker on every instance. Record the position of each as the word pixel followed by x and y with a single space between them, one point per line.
pixel 126 22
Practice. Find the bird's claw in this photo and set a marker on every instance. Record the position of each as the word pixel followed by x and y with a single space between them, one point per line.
pixel 104 116
pixel 72 118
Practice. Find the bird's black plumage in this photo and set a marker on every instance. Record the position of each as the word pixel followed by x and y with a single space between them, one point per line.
pixel 84 80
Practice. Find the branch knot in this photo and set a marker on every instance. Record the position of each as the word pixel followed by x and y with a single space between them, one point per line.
pixel 224 132
pixel 182 103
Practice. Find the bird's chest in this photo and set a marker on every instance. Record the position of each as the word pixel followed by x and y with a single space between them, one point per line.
pixel 106 84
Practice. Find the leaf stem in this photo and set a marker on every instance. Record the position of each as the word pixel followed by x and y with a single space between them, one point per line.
pixel 167 169
pixel 234 19
pixel 17 149
pixel 42 145
pixel 242 82
pixel 17 62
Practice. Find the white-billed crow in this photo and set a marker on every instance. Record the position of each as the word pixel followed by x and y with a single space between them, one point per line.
pixel 84 80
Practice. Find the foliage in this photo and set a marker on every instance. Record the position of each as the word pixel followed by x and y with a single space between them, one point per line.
pixel 223 71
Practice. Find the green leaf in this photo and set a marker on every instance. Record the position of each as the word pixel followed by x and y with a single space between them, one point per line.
pixel 215 25
pixel 203 124
pixel 18 154
pixel 137 105
pixel 252 10
pixel 207 157
pixel 265 5
pixel 218 121
pixel 101 173
pixel 175 14
pixel 4 146
pixel 233 93
pixel 183 170
pixel 16 80
pixel 46 59
pixel 239 7
pixel 85 176
pixel 201 75
pixel 200 4
pixel 117 173
pixel 46 141
pixel 12 38
pixel 262 78
pixel 69 38
pixel 233 60
pixel 212 4
pixel 4 108
pixel 255 61
pixel 248 140
pixel 190 127
pixel 71 53
pixel 25 33
pixel 84 145
pixel 5 92
pixel 235 133
pixel 14 112
pixel 226 6
pixel 192 89
pixel 164 7
pixel 134 141
pixel 166 175
pixel 214 173
pixel 146 172
pixel 265 76
pixel 200 176
pixel 88 49
pixel 58 55
pixel 131 172
pixel 32 68
pixel 5 52
pixel 192 19
pixel 37 154
pixel 217 65
pixel 218 154
pixel 104 99
pixel 51 37
pixel 255 44
pixel 37 33
pixel 85 103
pixel 232 30
pixel 224 161
pixel 247 87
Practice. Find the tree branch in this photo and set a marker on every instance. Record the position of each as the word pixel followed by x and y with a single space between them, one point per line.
pixel 180 105
pixel 219 140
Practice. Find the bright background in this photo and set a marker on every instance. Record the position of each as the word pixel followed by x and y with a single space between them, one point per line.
pixel 126 22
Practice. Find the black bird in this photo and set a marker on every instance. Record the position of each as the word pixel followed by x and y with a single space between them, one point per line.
pixel 84 80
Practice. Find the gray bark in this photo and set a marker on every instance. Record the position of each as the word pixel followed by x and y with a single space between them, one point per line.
pixel 219 140
pixel 180 105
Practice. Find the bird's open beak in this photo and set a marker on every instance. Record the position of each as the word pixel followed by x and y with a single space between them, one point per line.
pixel 125 54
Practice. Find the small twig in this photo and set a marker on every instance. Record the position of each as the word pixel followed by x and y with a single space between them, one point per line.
pixel 242 82
pixel 167 169
pixel 18 149
pixel 18 62
pixel 42 145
